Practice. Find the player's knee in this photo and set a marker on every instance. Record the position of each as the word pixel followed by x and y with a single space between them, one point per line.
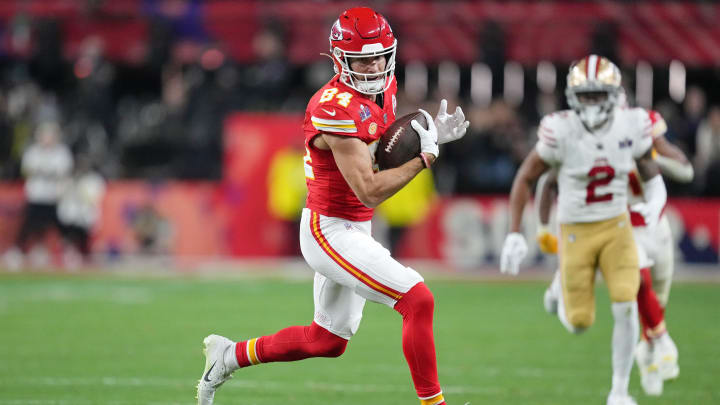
pixel 418 300
pixel 334 346
pixel 624 292
pixel 627 289
pixel 662 290
pixel 580 321
pixel 425 301
pixel 326 343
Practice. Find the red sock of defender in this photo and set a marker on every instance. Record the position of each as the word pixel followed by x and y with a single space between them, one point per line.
pixel 416 308
pixel 290 344
pixel 651 312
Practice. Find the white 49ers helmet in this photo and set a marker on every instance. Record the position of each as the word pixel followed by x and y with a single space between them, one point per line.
pixel 361 32
pixel 593 89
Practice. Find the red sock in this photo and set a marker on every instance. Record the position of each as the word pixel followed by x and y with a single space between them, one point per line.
pixel 290 344
pixel 651 312
pixel 416 307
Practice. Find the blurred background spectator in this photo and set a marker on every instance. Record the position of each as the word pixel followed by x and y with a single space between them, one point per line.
pixel 79 212
pixel 46 164
pixel 707 158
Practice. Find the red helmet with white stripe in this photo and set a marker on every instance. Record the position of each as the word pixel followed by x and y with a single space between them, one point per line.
pixel 593 89
pixel 361 32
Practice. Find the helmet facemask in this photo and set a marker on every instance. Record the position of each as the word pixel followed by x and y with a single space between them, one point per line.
pixel 594 107
pixel 593 90
pixel 366 83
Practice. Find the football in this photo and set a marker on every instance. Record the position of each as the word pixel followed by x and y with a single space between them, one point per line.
pixel 400 142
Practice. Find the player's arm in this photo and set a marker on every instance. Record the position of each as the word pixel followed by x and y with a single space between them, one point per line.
pixel 647 167
pixel 354 161
pixel 653 187
pixel 672 160
pixel 515 248
pixel 545 193
pixel 532 167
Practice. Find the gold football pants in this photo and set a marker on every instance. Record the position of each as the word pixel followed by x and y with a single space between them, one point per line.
pixel 584 247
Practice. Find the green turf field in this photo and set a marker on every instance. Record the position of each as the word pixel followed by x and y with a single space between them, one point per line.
pixel 128 340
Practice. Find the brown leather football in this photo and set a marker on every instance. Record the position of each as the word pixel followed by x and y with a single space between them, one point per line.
pixel 400 142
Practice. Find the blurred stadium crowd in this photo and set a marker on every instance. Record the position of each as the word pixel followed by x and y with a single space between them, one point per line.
pixel 140 87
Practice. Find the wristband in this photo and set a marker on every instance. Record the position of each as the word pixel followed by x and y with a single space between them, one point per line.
pixel 542 228
pixel 425 161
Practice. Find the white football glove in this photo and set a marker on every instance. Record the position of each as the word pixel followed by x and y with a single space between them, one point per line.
pixel 429 136
pixel 655 199
pixel 513 252
pixel 450 127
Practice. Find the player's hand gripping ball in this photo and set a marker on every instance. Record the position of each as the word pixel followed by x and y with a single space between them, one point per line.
pixel 400 142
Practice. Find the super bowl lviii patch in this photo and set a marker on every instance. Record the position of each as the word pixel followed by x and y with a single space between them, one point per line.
pixel 625 143
pixel 364 112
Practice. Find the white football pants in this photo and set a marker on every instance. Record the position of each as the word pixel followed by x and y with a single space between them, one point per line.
pixel 350 267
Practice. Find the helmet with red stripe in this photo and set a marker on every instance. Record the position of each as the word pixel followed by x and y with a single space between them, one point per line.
pixel 593 89
pixel 361 32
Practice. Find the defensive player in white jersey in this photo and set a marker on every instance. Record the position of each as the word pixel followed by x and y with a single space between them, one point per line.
pixel 656 353
pixel 594 146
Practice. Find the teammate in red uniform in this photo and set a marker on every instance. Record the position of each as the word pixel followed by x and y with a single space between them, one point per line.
pixel 343 122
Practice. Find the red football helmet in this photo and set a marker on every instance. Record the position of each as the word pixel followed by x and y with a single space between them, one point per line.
pixel 361 32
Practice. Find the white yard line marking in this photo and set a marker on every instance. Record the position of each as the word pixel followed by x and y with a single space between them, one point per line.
pixel 264 384
pixel 77 402
pixel 286 386
pixel 68 293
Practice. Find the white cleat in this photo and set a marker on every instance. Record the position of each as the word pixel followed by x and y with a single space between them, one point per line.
pixel 666 356
pixel 650 378
pixel 216 371
pixel 552 295
pixel 618 399
pixel 651 381
pixel 550 302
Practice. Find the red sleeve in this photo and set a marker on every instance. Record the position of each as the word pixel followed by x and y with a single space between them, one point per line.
pixel 333 120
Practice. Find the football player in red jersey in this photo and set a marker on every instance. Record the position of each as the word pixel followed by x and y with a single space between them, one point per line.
pixel 343 122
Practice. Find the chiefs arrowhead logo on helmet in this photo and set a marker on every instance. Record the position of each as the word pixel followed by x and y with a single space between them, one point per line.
pixel 336 32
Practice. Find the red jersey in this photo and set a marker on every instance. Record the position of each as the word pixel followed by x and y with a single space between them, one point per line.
pixel 340 110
